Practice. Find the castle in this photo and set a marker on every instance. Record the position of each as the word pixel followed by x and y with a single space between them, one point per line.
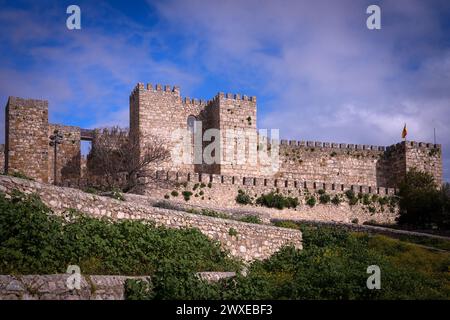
pixel 162 110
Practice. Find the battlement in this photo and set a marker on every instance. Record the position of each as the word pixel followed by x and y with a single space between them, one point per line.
pixel 269 182
pixel 234 96
pixel 156 88
pixel 348 146
pixel 195 102
pixel 328 145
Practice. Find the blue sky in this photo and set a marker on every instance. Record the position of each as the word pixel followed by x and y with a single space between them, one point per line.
pixel 318 72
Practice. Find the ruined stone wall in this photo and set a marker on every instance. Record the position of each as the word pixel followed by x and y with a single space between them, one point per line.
pixel 68 154
pixel 252 241
pixel 54 287
pixel 26 137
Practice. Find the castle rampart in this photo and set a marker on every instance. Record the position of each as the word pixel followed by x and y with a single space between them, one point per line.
pixel 161 110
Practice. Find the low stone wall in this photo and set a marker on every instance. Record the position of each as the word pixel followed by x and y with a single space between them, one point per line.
pixel 54 287
pixel 244 240
pixel 220 192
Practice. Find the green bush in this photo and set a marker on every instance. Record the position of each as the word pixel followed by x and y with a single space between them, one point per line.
pixel 276 200
pixel 324 198
pixel 366 199
pixel 243 198
pixel 336 200
pixel 232 232
pixel 174 193
pixel 251 219
pixel 186 195
pixel 332 265
pixel 311 201
pixel 34 241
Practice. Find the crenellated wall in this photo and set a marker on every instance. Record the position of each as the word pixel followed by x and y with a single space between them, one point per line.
pixel 160 110
pixel 377 166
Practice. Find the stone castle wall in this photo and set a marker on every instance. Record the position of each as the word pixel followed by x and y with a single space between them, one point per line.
pixel 68 154
pixel 252 241
pixel 220 191
pixel 160 110
pixel 370 165
pixel 27 137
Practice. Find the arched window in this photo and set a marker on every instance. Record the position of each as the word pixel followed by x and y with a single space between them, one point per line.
pixel 191 123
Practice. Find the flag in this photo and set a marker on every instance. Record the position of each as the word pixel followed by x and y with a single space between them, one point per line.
pixel 404 132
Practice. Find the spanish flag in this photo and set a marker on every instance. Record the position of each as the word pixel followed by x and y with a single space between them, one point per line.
pixel 404 132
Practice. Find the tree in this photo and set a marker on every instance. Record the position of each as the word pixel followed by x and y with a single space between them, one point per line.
pixel 119 161
pixel 421 203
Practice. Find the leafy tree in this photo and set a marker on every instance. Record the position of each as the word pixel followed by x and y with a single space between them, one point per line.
pixel 421 203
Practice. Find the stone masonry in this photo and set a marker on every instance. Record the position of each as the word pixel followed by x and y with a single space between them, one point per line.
pixel 243 240
pixel 161 110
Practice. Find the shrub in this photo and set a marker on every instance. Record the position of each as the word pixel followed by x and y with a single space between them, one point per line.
pixel 174 193
pixel 35 241
pixel 243 198
pixel 232 232
pixel 321 191
pixel 324 198
pixel 276 200
pixel 251 219
pixel 421 204
pixel 213 213
pixel 352 198
pixel 366 199
pixel 286 224
pixel 166 196
pixel 115 194
pixel 186 195
pixel 355 221
pixel 311 201
pixel 350 194
pixel 336 200
pixel 195 186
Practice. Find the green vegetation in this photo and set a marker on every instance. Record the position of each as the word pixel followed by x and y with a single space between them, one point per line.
pixel 352 198
pixel 324 198
pixel 243 198
pixel 251 219
pixel 422 204
pixel 336 200
pixel 332 265
pixel 21 175
pixel 174 193
pixel 276 200
pixel 233 232
pixel 34 241
pixel 187 195
pixel 311 201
